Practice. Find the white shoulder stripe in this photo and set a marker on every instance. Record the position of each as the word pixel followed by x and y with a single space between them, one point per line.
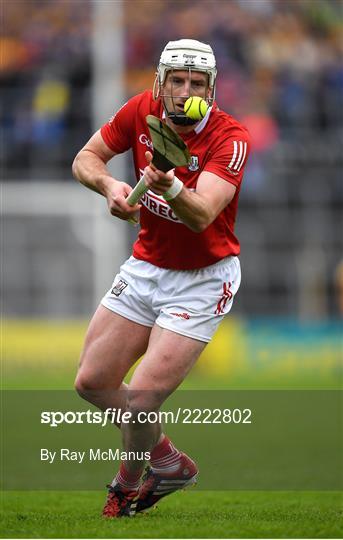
pixel 240 155
pixel 243 158
pixel 234 154
pixel 240 148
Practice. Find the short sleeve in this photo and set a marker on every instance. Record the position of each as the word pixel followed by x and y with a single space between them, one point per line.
pixel 229 160
pixel 117 132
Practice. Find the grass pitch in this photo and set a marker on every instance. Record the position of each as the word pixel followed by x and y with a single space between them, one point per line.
pixel 182 515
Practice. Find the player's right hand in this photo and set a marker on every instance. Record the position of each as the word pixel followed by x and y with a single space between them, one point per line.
pixel 117 204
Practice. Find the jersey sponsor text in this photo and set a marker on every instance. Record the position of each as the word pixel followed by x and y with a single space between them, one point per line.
pixel 158 206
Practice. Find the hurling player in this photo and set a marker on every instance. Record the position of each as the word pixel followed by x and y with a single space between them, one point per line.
pixel 169 297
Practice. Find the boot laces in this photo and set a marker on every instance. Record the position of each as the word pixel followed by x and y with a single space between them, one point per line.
pixel 116 500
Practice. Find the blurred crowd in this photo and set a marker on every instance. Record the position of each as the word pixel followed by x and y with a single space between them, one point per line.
pixel 45 86
pixel 280 69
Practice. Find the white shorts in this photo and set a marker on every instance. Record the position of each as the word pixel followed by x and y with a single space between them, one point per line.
pixel 188 302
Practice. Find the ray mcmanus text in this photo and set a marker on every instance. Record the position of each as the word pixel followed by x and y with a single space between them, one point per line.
pixel 92 454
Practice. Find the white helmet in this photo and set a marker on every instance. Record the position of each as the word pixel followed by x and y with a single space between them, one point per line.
pixel 188 54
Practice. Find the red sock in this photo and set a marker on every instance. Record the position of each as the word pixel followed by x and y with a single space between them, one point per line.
pixel 127 479
pixel 165 457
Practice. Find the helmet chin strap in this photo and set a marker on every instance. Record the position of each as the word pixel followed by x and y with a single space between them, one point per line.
pixel 181 119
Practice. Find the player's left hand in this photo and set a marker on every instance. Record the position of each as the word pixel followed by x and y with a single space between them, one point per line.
pixel 159 182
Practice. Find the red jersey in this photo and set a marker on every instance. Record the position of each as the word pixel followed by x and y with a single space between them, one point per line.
pixel 218 144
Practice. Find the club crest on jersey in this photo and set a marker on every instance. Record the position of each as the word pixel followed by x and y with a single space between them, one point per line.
pixel 119 287
pixel 193 164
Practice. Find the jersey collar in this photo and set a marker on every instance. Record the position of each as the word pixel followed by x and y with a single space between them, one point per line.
pixel 199 127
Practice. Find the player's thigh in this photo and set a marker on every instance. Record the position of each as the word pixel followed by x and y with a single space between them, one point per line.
pixel 112 345
pixel 167 361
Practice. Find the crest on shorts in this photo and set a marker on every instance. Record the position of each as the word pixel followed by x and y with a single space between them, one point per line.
pixel 119 287
pixel 193 164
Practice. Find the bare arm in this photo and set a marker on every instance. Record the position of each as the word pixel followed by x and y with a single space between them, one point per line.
pixel 199 209
pixel 89 168
pixel 196 209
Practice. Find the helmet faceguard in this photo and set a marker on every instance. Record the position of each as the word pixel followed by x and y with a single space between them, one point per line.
pixel 186 55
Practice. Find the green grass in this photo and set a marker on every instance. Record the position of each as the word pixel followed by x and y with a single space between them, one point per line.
pixel 184 515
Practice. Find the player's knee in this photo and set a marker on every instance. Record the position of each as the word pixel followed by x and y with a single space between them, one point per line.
pixel 85 386
pixel 80 385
